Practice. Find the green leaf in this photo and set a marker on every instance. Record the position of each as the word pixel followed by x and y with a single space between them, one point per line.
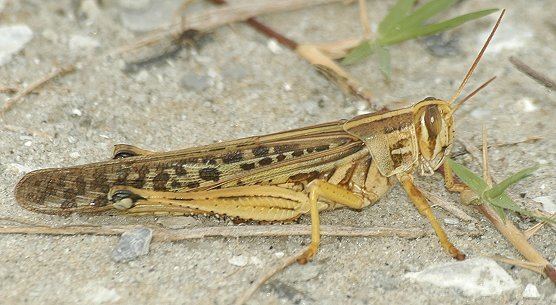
pixel 384 61
pixel 430 29
pixel 420 15
pixel 498 189
pixel 400 10
pixel 496 197
pixel 360 52
pixel 476 183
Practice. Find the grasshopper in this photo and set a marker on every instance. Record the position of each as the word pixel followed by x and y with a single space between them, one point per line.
pixel 269 178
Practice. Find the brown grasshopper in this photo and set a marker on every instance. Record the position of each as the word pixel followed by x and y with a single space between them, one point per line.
pixel 276 177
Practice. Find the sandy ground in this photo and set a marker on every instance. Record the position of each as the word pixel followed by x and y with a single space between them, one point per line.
pixel 242 87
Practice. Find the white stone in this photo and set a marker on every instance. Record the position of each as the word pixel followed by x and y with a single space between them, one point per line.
pixel 273 46
pixel 547 203
pixel 132 244
pixel 28 143
pixel 19 168
pixel 527 105
pixel 238 260
pixel 76 112
pixel 97 294
pixel 474 277
pixel 12 40
pixel 74 154
pixel 134 4
pixel 279 254
pixel 531 292
pixel 142 76
pixel 451 221
pixel 256 261
pixel 82 43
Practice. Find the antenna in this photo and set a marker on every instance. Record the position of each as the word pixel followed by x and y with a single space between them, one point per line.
pixel 470 95
pixel 477 59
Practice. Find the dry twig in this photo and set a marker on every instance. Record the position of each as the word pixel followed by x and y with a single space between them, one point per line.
pixel 35 85
pixel 450 207
pixel 283 264
pixel 167 235
pixel 534 74
pixel 509 230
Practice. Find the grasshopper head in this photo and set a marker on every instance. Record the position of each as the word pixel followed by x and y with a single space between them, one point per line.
pixel 434 127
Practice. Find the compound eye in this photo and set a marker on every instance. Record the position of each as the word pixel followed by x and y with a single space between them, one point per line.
pixel 432 120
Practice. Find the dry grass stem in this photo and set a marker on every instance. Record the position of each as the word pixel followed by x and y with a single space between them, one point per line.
pixel 535 267
pixel 486 170
pixel 166 235
pixel 333 71
pixel 364 19
pixel 534 74
pixel 281 265
pixel 448 206
pixel 338 49
pixel 34 86
pixel 211 19
pixel 8 89
pixel 508 229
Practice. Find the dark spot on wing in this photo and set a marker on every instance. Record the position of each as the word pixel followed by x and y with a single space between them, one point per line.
pixel 322 147
pixel 297 153
pixel 260 151
pixel 303 176
pixel 160 180
pixel 265 161
pixel 210 161
pixel 193 184
pixel 175 184
pixel 247 166
pixel 180 171
pixel 209 173
pixel 232 157
pixel 284 148
pixel 280 157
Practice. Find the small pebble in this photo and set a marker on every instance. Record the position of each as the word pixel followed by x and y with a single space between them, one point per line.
pixel 28 143
pixel 50 35
pixel 451 221
pixel 547 203
pixel 134 4
pixel 74 155
pixel 287 87
pixel 527 105
pixel 273 46
pixel 195 82
pixel 12 40
pixel 132 244
pixel 142 76
pixel 238 260
pixel 531 292
pixel 89 9
pixel 474 277
pixel 19 168
pixel 256 261
pixel 82 43
pixel 279 254
pixel 76 112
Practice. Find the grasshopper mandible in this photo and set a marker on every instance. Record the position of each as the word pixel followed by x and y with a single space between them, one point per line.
pixel 277 177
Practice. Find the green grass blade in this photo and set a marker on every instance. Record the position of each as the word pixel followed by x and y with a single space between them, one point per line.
pixel 468 177
pixel 398 12
pixel 420 15
pixel 384 62
pixel 360 52
pixel 498 189
pixel 433 28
